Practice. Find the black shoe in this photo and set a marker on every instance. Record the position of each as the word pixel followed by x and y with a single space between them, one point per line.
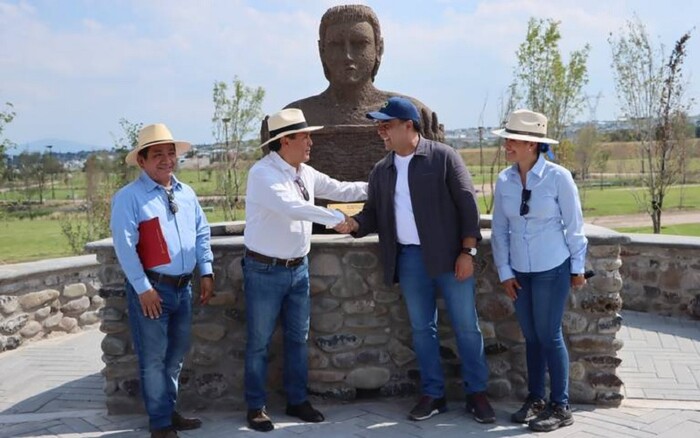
pixel 427 407
pixel 168 432
pixel 529 411
pixel 258 420
pixel 554 417
pixel 478 404
pixel 305 412
pixel 182 423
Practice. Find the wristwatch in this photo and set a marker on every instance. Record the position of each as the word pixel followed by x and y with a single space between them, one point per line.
pixel 469 251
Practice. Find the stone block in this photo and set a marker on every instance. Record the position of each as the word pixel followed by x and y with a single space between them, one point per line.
pixel 31 329
pixel 205 354
pixel 325 265
pixel 498 388
pixel 373 357
pixel 113 345
pixel 352 286
pixel 488 330
pixel 8 304
pixel 595 343
pixel 603 361
pixel 577 370
pixel 112 314
pixel 67 324
pixel 323 305
pixel 89 318
pixel 368 377
pixel 209 331
pixel 609 325
pixel 75 290
pixel 35 299
pixel 607 303
pixel 400 354
pixel 573 322
pixel 498 366
pixel 353 307
pixel 10 342
pixel 494 307
pixel 76 306
pixel 376 339
pixel 510 330
pixel 366 321
pixel 334 391
pixel 317 359
pixel 326 376
pixel 319 285
pixel 338 343
pixel 10 326
pixel 113 327
pixel 344 360
pixel 211 385
pixel 42 313
pixel 385 297
pixel 327 322
pixel 605 380
pixel 53 321
pixel 97 302
pixel 360 259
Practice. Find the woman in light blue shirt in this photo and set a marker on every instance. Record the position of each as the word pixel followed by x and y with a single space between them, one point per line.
pixel 540 251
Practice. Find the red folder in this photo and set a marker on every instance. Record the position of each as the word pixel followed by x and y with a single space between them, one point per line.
pixel 152 248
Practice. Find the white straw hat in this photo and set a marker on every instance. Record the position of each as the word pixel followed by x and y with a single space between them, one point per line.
pixel 526 125
pixel 286 122
pixel 152 135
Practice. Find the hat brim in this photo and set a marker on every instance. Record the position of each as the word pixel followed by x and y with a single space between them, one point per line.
pixel 181 147
pixel 524 137
pixel 378 115
pixel 293 131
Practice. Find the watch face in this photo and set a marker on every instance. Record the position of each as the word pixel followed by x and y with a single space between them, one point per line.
pixel 470 251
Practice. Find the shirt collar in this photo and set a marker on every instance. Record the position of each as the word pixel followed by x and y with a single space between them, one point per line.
pixel 421 150
pixel 537 169
pixel 282 165
pixel 150 185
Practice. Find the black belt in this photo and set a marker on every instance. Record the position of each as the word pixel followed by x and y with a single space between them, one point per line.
pixel 287 263
pixel 170 280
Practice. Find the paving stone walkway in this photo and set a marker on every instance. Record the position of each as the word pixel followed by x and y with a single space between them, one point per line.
pixel 53 388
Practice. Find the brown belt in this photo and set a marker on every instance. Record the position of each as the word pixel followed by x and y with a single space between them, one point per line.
pixel 170 280
pixel 287 263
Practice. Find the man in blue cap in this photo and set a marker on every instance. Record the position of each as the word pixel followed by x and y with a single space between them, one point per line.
pixel 421 202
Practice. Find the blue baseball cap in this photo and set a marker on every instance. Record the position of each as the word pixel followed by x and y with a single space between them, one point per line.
pixel 396 108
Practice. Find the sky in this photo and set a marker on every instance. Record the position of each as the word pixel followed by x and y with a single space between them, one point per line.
pixel 74 68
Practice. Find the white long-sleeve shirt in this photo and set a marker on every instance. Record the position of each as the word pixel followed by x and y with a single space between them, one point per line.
pixel 278 219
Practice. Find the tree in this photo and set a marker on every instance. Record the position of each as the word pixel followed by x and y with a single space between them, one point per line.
pixel 544 83
pixel 586 149
pixel 651 95
pixel 104 175
pixel 6 117
pixel 32 170
pixel 236 116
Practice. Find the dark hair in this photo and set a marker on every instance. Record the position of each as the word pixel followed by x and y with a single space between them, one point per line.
pixel 351 14
pixel 542 147
pixel 143 153
pixel 276 145
pixel 416 125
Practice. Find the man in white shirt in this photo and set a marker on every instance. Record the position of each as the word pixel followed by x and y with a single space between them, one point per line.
pixel 279 212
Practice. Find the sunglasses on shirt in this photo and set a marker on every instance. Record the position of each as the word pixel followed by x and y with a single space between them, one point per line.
pixel 302 188
pixel 171 201
pixel 524 199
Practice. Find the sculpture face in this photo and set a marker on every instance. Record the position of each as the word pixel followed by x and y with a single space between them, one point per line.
pixel 349 52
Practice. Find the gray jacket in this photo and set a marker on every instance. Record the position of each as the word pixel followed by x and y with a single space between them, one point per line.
pixel 444 206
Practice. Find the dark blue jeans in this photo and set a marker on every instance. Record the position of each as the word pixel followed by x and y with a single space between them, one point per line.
pixel 419 292
pixel 271 290
pixel 161 345
pixel 540 309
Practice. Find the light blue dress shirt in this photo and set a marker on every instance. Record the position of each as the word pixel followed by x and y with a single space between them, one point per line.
pixel 549 233
pixel 186 232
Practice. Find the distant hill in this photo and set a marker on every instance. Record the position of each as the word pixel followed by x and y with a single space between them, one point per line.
pixel 58 146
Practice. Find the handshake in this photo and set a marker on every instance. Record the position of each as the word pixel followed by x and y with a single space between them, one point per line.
pixel 349 225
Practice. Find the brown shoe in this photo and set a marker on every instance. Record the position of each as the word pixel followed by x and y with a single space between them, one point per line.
pixel 168 432
pixel 258 420
pixel 478 405
pixel 305 412
pixel 182 423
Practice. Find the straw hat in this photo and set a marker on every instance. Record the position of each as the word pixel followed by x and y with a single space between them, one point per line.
pixel 286 122
pixel 152 135
pixel 526 125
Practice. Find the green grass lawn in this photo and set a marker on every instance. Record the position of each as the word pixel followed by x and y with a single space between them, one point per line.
pixel 26 240
pixel 678 230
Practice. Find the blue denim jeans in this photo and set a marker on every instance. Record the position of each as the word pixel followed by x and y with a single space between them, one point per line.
pixel 419 292
pixel 540 308
pixel 271 291
pixel 161 345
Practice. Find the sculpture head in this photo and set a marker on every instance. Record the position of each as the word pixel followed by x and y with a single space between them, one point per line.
pixel 350 44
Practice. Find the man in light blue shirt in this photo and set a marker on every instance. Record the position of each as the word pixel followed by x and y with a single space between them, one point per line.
pixel 160 234
pixel 539 249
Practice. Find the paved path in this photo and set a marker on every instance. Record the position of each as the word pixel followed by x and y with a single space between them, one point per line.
pixel 53 388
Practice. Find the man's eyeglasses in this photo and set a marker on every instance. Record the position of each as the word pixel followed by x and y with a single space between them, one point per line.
pixel 305 193
pixel 525 197
pixel 171 201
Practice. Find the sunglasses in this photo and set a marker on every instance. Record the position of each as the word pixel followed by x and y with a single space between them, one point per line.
pixel 305 193
pixel 171 201
pixel 525 198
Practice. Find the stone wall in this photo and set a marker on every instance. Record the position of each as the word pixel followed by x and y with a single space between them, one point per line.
pixel 360 340
pixel 662 275
pixel 46 298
